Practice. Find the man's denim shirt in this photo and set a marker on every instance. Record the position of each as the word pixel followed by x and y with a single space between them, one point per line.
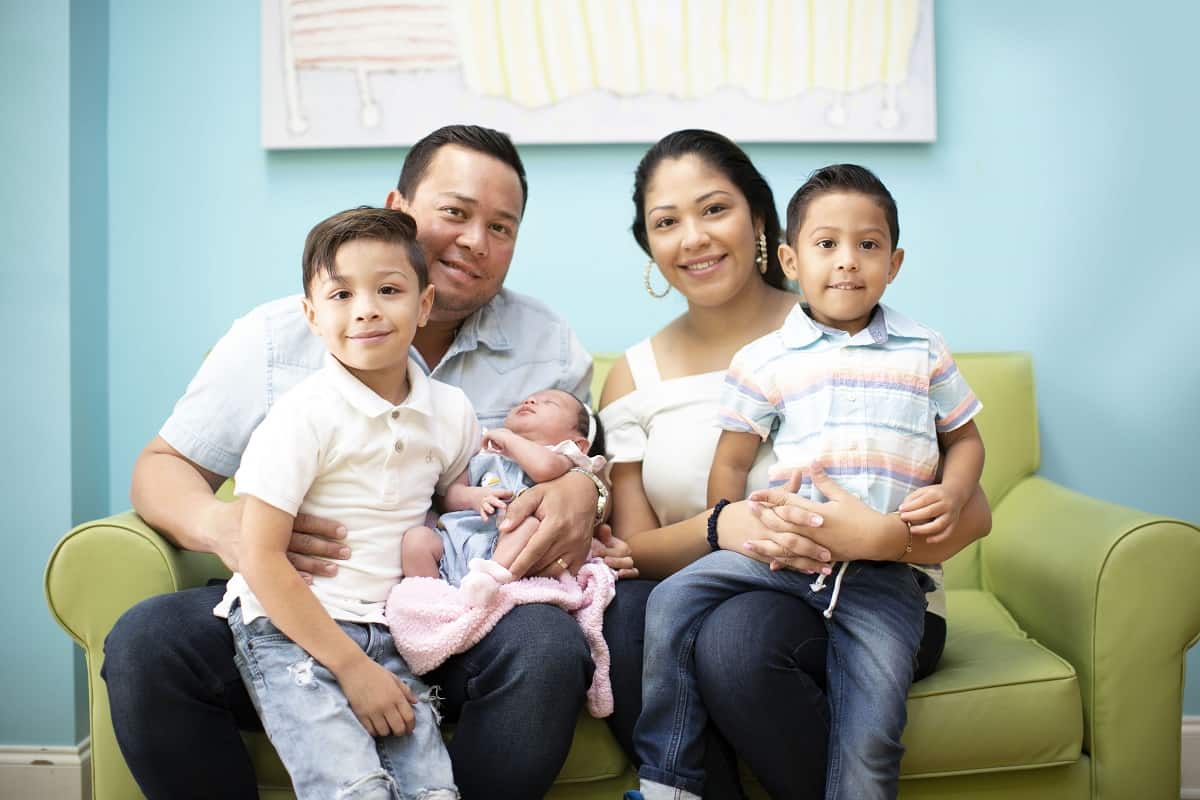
pixel 505 351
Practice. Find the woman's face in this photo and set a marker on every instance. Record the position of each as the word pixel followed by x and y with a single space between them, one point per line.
pixel 701 233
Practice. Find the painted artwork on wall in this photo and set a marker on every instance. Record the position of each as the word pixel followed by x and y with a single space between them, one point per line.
pixel 370 73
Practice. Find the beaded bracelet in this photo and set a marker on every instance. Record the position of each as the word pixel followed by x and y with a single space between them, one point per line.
pixel 712 523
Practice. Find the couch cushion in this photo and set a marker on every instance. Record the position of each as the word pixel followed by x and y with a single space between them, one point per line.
pixel 594 756
pixel 997 700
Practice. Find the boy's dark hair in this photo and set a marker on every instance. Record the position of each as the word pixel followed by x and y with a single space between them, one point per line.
pixel 581 424
pixel 381 224
pixel 473 137
pixel 731 161
pixel 841 178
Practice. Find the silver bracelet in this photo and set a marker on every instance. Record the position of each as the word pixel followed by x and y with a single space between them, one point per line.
pixel 601 492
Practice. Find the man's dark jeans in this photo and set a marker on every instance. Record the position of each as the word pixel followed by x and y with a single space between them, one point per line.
pixel 178 702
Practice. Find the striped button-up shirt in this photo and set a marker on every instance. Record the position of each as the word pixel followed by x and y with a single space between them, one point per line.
pixel 867 407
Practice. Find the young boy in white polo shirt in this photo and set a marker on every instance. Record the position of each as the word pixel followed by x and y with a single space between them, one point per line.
pixel 366 440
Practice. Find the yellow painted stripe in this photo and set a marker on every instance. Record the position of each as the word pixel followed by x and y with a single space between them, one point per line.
pixel 812 43
pixel 767 52
pixel 504 82
pixel 687 72
pixel 541 47
pixel 587 39
pixel 887 40
pixel 725 41
pixel 637 43
pixel 849 53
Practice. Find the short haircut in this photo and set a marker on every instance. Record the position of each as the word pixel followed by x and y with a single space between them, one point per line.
pixel 850 178
pixel 380 224
pixel 473 137
pixel 731 161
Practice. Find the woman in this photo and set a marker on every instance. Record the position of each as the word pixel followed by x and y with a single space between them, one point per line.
pixel 707 219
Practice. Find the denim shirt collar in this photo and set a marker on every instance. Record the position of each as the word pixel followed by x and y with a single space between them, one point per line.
pixel 485 326
pixel 800 330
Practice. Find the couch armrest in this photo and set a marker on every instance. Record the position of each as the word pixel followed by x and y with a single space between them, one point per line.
pixel 95 573
pixel 103 567
pixel 1114 591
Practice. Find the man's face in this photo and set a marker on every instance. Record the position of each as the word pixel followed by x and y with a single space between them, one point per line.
pixel 467 206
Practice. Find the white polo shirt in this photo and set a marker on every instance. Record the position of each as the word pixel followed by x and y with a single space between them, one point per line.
pixel 333 448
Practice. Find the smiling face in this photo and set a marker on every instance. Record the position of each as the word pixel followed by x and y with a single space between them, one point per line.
pixel 700 230
pixel 367 310
pixel 842 258
pixel 548 417
pixel 468 207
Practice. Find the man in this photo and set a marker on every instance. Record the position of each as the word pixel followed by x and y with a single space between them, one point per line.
pixel 177 700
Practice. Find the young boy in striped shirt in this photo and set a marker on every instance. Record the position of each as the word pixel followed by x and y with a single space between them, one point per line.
pixel 875 399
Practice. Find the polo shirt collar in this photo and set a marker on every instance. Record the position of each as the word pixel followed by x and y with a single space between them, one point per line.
pixel 371 405
pixel 800 330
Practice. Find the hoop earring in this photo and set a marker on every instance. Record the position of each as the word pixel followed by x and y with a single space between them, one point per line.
pixel 761 258
pixel 649 289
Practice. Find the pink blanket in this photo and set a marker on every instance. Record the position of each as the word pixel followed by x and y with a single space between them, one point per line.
pixel 431 622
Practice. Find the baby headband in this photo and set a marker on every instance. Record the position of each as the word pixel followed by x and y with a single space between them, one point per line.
pixel 591 433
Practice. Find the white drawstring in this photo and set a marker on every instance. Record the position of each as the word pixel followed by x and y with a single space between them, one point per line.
pixel 819 584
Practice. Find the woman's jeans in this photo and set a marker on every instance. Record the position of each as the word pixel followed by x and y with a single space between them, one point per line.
pixel 319 738
pixel 874 635
pixel 178 702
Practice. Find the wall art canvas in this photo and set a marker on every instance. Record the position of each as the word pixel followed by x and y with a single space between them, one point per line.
pixel 371 73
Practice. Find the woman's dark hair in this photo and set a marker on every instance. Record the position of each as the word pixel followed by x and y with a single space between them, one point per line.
pixel 731 161
pixel 841 178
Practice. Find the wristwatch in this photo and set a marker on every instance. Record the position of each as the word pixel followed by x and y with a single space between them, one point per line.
pixel 601 492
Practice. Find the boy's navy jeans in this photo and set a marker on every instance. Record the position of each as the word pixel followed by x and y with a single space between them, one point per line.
pixel 327 751
pixel 873 639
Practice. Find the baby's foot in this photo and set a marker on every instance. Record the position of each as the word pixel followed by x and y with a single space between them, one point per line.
pixel 480 585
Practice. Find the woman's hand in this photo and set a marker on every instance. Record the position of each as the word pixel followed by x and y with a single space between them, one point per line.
pixel 614 551
pixel 843 524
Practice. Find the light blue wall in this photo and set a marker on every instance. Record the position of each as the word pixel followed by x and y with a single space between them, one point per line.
pixel 1054 214
pixel 37 662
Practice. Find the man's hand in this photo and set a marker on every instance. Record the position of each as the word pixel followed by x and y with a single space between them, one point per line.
pixel 566 510
pixel 615 552
pixel 932 511
pixel 381 701
pixel 313 540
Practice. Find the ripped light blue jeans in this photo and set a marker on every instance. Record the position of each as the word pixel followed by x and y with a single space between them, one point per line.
pixel 325 748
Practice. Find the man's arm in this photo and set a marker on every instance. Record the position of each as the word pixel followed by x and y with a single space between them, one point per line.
pixel 175 496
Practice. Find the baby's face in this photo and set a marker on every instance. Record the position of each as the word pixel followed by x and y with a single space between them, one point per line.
pixel 547 417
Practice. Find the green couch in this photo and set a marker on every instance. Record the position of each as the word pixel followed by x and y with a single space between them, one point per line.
pixel 1062 675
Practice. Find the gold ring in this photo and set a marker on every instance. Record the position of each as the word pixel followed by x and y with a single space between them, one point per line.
pixel 561 563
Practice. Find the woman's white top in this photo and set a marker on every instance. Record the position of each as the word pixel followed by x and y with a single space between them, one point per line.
pixel 671 427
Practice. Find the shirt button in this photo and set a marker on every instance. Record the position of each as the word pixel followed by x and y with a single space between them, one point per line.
pixel 396 414
pixel 398 446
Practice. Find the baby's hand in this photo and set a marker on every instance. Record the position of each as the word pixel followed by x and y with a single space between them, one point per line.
pixel 932 511
pixel 495 439
pixel 492 501
pixel 381 701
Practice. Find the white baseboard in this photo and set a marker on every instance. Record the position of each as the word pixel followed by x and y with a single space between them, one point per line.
pixel 1190 784
pixel 46 773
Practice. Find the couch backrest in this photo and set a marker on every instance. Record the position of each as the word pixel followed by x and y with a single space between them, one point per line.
pixel 1008 423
